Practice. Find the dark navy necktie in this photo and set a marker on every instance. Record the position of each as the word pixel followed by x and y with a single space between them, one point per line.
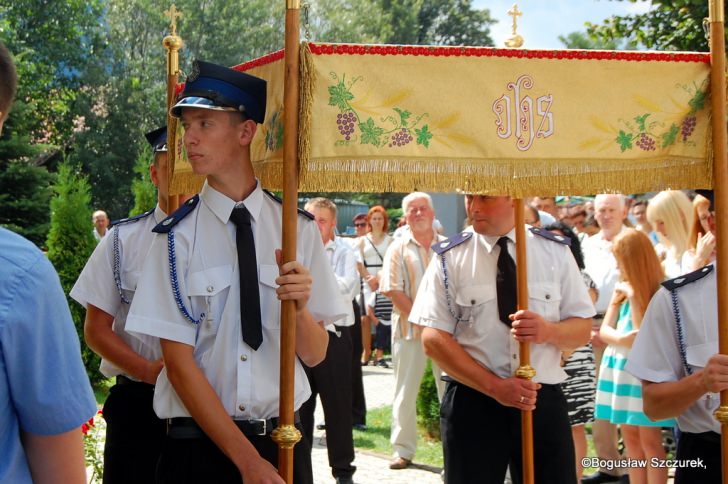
pixel 248 267
pixel 505 283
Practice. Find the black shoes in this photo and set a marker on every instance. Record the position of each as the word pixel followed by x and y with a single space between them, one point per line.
pixel 344 480
pixel 600 478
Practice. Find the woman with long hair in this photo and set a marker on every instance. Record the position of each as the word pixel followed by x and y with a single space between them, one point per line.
pixel 671 215
pixel 619 394
pixel 372 248
pixel 701 240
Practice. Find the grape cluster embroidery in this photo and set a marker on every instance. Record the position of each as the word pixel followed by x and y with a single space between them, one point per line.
pixel 644 132
pixel 389 131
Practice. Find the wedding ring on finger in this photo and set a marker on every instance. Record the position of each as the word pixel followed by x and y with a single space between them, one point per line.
pixel 522 399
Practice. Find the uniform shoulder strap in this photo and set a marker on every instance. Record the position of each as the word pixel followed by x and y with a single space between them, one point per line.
pixel 127 220
pixel 547 234
pixel 166 225
pixel 685 279
pixel 441 247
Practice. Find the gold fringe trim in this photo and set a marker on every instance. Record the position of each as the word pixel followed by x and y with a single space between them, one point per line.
pixel 186 182
pixel 519 178
pixel 307 80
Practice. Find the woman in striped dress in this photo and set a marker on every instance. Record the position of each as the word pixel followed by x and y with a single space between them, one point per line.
pixel 619 394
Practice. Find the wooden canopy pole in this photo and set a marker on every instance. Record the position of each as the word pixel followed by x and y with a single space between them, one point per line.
pixel 286 435
pixel 525 370
pixel 720 182
pixel 172 43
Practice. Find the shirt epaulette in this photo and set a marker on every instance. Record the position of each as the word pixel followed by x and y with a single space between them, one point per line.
pixel 301 211
pixel 442 247
pixel 127 220
pixel 673 284
pixel 166 225
pixel 547 234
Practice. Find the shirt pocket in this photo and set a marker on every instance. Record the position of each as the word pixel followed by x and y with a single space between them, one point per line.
pixel 698 355
pixel 129 280
pixel 474 302
pixel 269 304
pixel 208 291
pixel 545 299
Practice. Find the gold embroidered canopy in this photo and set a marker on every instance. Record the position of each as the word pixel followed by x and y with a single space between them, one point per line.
pixel 501 121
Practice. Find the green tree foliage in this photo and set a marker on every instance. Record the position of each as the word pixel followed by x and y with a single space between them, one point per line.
pixel 669 25
pixel 580 40
pixel 350 21
pixel 70 243
pixel 145 193
pixel 53 46
pixel 439 22
pixel 25 189
pixel 428 406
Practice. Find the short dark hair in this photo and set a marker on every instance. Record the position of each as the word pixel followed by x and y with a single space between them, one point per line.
pixel 575 245
pixel 8 81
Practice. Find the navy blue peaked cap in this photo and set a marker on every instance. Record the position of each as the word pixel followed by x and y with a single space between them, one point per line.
pixel 158 139
pixel 211 86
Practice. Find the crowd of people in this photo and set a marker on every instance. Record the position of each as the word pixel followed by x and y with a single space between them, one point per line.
pixel 184 309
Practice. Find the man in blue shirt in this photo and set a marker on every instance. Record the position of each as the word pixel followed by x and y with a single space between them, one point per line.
pixel 45 394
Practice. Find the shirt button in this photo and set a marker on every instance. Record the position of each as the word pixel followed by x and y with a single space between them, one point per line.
pixel 548 296
pixel 241 407
pixel 210 288
pixel 243 357
pixel 515 357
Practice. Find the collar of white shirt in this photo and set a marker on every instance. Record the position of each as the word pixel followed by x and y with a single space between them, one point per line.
pixel 222 206
pixel 492 240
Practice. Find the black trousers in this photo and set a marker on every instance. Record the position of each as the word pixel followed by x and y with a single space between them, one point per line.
pixel 481 438
pixel 704 447
pixel 358 400
pixel 332 380
pixel 134 434
pixel 199 460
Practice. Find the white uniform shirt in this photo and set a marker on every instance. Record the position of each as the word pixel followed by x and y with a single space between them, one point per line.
pixel 655 354
pixel 343 262
pixel 96 284
pixel 601 266
pixel 556 291
pixel 246 381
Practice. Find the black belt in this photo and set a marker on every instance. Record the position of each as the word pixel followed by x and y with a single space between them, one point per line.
pixel 187 428
pixel 125 380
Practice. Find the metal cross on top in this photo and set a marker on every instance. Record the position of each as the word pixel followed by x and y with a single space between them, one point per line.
pixel 515 13
pixel 514 41
pixel 173 14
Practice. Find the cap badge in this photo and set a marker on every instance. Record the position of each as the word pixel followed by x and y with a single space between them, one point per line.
pixel 192 77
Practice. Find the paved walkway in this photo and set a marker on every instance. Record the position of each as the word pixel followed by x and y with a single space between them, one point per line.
pixel 370 467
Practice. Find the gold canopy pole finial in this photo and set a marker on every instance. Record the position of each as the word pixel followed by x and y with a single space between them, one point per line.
pixel 172 43
pixel 514 41
pixel 286 435
pixel 525 370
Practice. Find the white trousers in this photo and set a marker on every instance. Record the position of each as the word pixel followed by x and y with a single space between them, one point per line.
pixel 409 367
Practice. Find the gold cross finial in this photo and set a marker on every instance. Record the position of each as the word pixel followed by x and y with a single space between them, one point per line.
pixel 515 13
pixel 173 14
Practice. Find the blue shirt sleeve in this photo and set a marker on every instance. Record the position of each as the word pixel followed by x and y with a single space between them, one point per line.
pixel 45 383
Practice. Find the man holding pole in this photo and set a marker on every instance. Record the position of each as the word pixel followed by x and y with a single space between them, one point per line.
pixel 471 328
pixel 211 292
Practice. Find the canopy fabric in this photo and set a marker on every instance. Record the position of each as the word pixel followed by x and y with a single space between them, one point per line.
pixel 496 121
